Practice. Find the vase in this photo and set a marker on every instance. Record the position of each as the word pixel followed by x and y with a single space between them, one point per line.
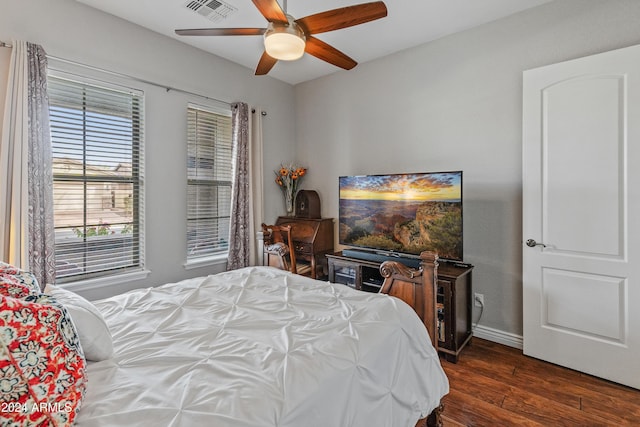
pixel 289 197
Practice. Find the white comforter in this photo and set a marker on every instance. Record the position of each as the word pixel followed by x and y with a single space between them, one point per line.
pixel 262 347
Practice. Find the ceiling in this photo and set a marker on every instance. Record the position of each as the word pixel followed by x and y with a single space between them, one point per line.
pixel 409 23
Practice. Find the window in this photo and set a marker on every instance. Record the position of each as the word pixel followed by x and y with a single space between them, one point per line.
pixel 97 141
pixel 209 176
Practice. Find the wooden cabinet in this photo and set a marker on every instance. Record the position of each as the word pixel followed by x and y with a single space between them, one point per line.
pixel 453 301
pixel 357 274
pixel 312 239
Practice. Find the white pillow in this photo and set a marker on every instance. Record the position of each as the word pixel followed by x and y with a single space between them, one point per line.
pixel 95 337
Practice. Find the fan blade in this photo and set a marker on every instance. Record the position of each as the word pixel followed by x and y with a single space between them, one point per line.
pixel 328 53
pixel 342 17
pixel 265 64
pixel 222 32
pixel 271 10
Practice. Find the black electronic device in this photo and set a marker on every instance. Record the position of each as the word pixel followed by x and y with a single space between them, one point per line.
pixel 409 261
pixel 403 214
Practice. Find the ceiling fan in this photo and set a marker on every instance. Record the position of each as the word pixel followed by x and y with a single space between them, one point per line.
pixel 287 39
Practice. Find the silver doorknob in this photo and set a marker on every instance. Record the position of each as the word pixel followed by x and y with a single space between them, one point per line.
pixel 532 243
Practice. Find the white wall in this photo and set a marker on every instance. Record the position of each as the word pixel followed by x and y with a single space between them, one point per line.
pixel 451 104
pixel 73 31
pixel 456 103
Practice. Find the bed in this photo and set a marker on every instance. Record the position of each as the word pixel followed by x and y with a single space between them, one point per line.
pixel 260 347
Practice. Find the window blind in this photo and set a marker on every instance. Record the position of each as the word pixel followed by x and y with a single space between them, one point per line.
pixel 209 177
pixel 97 145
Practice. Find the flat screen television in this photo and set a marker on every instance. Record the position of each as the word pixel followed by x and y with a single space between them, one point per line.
pixel 403 213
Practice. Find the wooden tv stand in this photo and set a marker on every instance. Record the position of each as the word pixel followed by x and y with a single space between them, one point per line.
pixel 449 322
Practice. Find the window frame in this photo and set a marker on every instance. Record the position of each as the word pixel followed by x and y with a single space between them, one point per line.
pixel 136 270
pixel 217 257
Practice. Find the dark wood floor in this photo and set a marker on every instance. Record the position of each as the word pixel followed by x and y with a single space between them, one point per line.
pixel 494 385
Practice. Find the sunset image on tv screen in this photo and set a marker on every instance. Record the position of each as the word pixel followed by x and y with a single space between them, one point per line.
pixel 407 213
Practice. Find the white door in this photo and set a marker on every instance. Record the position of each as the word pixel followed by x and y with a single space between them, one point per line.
pixel 581 214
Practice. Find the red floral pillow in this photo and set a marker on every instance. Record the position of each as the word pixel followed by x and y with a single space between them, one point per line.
pixel 8 269
pixel 42 367
pixel 22 277
pixel 11 287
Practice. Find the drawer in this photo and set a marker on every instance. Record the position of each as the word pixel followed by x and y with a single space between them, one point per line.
pixel 303 247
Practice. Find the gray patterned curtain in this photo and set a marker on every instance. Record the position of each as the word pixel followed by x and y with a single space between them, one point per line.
pixel 41 229
pixel 26 188
pixel 239 230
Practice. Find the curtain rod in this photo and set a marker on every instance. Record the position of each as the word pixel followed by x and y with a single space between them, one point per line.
pixel 117 74
pixel 134 78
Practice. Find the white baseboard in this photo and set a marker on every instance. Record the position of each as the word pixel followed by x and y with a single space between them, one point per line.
pixel 496 335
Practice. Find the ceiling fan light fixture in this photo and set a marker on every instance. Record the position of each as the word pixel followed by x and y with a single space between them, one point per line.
pixel 284 42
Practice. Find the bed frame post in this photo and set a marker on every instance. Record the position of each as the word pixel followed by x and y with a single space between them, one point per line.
pixel 429 266
pixel 418 288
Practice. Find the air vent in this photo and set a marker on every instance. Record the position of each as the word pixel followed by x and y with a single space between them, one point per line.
pixel 213 10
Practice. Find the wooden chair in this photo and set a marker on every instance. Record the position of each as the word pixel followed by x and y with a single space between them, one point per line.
pixel 279 250
pixel 303 268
